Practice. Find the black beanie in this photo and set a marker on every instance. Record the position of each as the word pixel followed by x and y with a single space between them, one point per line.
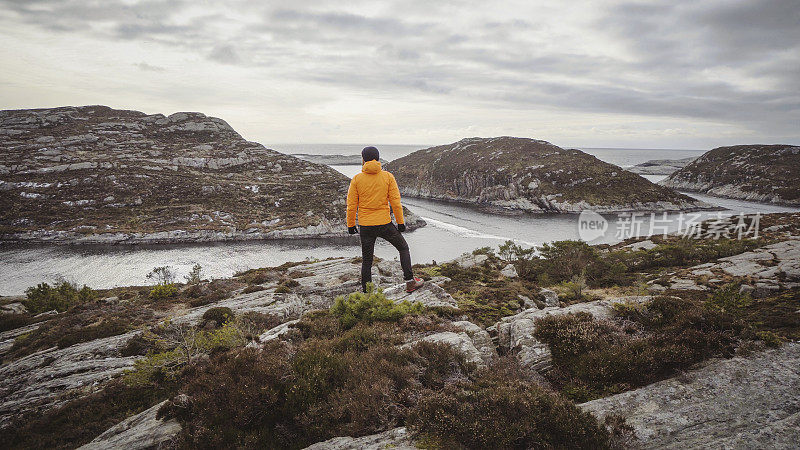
pixel 370 153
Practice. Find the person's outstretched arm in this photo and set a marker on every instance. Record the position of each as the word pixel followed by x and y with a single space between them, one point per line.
pixel 352 204
pixel 394 200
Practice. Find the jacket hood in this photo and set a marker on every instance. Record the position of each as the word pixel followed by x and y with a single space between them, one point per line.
pixel 371 167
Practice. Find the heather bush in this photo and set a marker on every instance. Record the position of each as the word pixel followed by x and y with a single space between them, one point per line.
pixel 371 306
pixel 82 323
pixel 729 299
pixel 60 297
pixel 593 357
pixel 10 321
pixel 502 409
pixel 78 421
pixel 220 315
pixel 352 384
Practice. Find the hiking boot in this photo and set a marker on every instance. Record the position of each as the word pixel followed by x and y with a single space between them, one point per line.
pixel 414 284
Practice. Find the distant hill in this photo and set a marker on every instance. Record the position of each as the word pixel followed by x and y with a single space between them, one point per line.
pixel 96 174
pixel 660 166
pixel 529 175
pixel 764 173
pixel 333 160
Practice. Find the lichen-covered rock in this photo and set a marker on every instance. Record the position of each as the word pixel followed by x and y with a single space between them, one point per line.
pixel 430 295
pixel 140 431
pixel 529 175
pixel 480 339
pixel 743 402
pixel 41 380
pixel 763 173
pixel 395 439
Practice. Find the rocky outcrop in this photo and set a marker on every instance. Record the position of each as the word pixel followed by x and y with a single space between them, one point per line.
pixel 743 402
pixel 660 166
pixel 762 173
pixel 762 272
pixel 93 174
pixel 43 379
pixel 530 175
pixel 514 334
pixel 138 432
pixel 395 439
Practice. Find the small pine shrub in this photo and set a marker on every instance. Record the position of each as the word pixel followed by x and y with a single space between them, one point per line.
pixel 371 306
pixel 163 292
pixel 61 297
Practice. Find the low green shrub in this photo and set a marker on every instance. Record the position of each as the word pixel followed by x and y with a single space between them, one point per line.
pixel 729 299
pixel 163 291
pixel 60 297
pixel 769 338
pixel 370 307
pixel 178 346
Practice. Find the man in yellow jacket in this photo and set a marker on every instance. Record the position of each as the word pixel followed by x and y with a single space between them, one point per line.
pixel 370 194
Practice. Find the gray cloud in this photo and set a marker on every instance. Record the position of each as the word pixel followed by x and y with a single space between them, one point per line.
pixel 736 62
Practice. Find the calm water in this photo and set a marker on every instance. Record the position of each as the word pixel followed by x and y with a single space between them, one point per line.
pixel 452 230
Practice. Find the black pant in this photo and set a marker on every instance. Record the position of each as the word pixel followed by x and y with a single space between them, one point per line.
pixel 368 234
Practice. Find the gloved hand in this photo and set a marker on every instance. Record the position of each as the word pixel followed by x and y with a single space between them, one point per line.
pixel 352 230
pixel 401 227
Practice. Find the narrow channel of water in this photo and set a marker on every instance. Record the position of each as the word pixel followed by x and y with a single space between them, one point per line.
pixel 452 230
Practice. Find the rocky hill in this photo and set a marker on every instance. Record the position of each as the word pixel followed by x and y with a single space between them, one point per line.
pixel 530 175
pixel 96 174
pixel 763 173
pixel 660 166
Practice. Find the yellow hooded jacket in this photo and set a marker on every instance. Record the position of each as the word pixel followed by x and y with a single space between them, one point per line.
pixel 370 194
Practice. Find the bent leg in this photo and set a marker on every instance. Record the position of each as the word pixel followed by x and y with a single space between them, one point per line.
pixel 368 236
pixel 393 236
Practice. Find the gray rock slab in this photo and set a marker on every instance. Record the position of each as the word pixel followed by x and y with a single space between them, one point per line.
pixel 742 402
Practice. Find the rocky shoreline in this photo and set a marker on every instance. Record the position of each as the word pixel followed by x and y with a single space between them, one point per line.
pixel 336 230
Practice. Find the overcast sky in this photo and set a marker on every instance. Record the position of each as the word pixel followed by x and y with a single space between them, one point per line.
pixel 647 74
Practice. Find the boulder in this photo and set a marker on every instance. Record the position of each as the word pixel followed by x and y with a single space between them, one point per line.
pixel 509 271
pixel 550 297
pixel 468 260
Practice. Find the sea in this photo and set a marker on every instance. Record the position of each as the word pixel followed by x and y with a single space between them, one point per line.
pixel 452 230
